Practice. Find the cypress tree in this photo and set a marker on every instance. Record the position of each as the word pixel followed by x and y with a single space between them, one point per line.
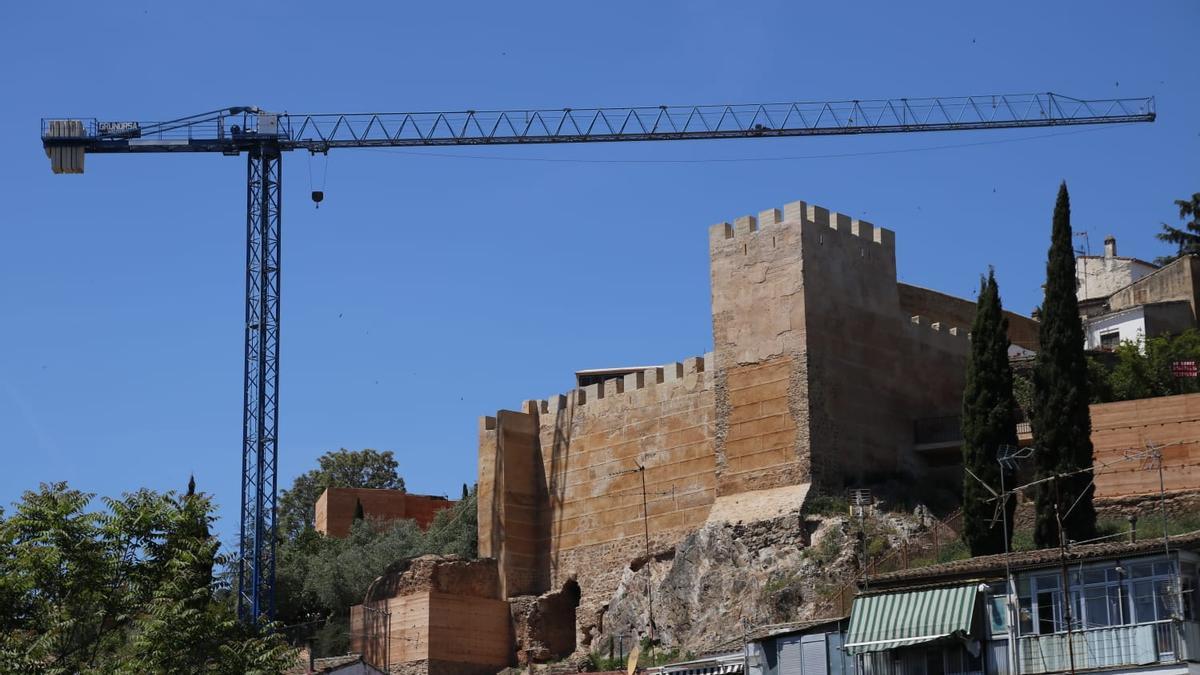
pixel 358 510
pixel 988 422
pixel 1061 420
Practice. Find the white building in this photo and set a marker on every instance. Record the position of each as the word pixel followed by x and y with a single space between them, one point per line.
pixel 1098 277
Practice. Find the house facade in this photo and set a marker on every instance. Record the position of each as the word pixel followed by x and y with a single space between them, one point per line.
pixel 1124 299
pixel 1127 608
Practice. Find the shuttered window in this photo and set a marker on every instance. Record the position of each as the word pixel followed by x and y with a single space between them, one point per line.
pixel 812 652
pixel 791 656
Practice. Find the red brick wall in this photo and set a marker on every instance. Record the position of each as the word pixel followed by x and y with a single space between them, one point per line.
pixel 336 506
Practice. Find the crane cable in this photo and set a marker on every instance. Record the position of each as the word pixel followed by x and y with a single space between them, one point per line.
pixel 318 192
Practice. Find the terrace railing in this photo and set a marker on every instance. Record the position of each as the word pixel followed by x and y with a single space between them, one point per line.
pixel 1111 647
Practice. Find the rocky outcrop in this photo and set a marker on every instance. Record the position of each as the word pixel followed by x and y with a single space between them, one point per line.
pixel 720 577
pixel 729 577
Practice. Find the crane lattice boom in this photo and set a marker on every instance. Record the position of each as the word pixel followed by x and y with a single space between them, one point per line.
pixel 264 136
pixel 239 129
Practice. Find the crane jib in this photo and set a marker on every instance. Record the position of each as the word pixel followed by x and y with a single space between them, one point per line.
pixel 241 129
pixel 264 136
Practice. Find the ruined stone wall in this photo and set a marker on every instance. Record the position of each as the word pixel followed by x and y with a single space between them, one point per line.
pixel 392 631
pixel 472 634
pixel 442 613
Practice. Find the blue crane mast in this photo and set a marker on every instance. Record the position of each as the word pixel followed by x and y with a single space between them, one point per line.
pixel 264 136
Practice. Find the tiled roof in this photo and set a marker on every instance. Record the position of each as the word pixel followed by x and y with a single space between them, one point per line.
pixel 992 564
pixel 791 627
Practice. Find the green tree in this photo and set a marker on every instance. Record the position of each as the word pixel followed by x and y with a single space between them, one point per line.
pixel 1144 369
pixel 105 591
pixel 1061 419
pixel 182 629
pixel 456 530
pixel 1187 238
pixel 1131 376
pixel 320 578
pixel 989 421
pixel 342 468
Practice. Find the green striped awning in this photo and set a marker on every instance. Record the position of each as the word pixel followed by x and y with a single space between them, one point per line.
pixel 891 620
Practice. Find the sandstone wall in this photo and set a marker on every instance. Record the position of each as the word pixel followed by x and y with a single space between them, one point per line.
pixel 473 634
pixel 513 508
pixel 953 311
pixel 758 303
pixel 593 449
pixel 1172 422
pixel 440 612
pixel 469 630
pixel 817 376
pixel 812 339
pixel 393 631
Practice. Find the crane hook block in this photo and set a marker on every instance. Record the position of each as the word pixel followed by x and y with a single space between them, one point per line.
pixel 318 196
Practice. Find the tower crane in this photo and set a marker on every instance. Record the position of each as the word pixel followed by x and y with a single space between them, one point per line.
pixel 264 136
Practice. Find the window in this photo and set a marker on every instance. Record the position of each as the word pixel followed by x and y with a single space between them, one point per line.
pixel 996 609
pixel 1110 341
pixel 1103 601
pixel 1106 594
pixel 1047 605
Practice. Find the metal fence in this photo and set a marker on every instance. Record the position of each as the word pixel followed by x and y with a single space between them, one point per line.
pixel 1109 647
pixel 942 537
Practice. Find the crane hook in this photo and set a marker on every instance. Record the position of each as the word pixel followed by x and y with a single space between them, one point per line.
pixel 318 195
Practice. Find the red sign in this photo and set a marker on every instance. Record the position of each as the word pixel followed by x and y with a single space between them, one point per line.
pixel 1183 368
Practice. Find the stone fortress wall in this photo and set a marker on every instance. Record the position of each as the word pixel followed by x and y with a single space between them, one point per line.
pixel 818 374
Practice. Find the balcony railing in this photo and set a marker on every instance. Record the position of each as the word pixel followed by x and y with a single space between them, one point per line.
pixel 1110 647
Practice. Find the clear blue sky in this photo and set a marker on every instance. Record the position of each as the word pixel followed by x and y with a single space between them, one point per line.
pixel 428 291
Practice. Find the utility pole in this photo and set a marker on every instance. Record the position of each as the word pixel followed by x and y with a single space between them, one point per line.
pixel 1066 582
pixel 1008 457
pixel 745 646
pixel 646 540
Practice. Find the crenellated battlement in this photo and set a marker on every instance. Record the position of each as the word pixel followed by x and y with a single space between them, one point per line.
pixel 689 372
pixel 810 328
pixel 804 214
pixel 926 328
